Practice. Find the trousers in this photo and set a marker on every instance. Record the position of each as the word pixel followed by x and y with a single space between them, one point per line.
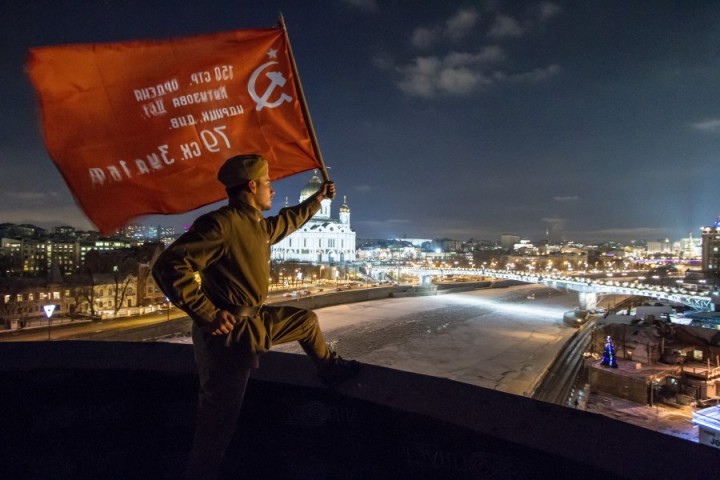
pixel 224 369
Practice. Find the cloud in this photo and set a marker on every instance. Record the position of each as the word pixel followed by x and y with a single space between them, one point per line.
pixel 549 10
pixel 460 24
pixel 488 55
pixel 629 233
pixel 533 76
pixel 711 125
pixel 30 197
pixel 390 222
pixel 47 217
pixel 567 198
pixel 428 76
pixel 460 73
pixel 455 28
pixel 555 224
pixel 397 221
pixel 504 27
pixel 423 38
pixel 463 73
pixel 538 74
pixel 454 74
pixel 364 5
pixel 362 188
pixel 383 62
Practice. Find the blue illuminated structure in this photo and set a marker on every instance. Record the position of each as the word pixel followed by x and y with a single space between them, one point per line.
pixel 608 358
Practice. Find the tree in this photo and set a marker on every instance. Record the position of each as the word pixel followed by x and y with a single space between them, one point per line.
pixel 122 283
pixel 82 291
pixel 119 264
pixel 608 358
pixel 9 306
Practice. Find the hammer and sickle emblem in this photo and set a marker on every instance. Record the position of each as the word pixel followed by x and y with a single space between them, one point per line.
pixel 276 80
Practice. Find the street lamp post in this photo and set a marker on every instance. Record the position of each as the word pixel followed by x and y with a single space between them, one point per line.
pixel 49 309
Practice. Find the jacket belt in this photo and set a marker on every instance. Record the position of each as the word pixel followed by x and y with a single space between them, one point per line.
pixel 245 310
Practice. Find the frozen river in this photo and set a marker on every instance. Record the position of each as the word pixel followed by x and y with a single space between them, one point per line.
pixel 502 339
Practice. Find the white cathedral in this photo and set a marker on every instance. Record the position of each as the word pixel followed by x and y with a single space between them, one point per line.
pixel 322 239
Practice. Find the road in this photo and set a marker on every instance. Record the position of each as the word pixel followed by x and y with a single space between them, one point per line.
pixel 105 329
pixel 87 329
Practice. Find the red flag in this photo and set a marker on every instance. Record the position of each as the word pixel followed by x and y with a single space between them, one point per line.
pixel 142 127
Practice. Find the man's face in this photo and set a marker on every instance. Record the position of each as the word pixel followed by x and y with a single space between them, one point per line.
pixel 263 193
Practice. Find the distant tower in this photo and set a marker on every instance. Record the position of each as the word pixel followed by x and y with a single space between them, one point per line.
pixel 711 249
pixel 345 212
pixel 689 250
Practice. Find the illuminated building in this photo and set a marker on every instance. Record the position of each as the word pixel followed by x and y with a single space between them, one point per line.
pixel 711 249
pixel 322 239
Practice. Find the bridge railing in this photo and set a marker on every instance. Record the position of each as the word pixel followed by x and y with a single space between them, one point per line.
pixel 696 301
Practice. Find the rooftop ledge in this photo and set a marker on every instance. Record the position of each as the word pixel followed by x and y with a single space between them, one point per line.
pixel 79 409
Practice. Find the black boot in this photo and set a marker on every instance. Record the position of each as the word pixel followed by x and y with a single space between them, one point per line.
pixel 338 370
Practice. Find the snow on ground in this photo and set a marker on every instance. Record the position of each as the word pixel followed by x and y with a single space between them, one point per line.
pixel 502 339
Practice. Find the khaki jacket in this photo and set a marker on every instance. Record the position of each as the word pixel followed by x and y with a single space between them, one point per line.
pixel 230 249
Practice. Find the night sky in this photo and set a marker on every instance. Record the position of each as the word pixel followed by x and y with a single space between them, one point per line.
pixel 593 120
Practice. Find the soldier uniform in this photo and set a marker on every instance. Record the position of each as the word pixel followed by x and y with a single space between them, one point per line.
pixel 230 250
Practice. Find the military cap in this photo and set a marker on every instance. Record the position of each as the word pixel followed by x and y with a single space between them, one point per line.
pixel 241 169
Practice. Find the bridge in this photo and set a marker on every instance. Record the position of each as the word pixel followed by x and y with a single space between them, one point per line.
pixel 588 288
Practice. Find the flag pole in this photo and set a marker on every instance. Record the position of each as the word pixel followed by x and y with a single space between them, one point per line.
pixel 305 110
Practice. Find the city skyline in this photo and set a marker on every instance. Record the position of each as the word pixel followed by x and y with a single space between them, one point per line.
pixel 592 122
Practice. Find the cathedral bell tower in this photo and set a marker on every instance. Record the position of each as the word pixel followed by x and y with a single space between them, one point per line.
pixel 344 212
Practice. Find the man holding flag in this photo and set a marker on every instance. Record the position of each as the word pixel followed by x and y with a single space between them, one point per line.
pixel 150 124
pixel 230 249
